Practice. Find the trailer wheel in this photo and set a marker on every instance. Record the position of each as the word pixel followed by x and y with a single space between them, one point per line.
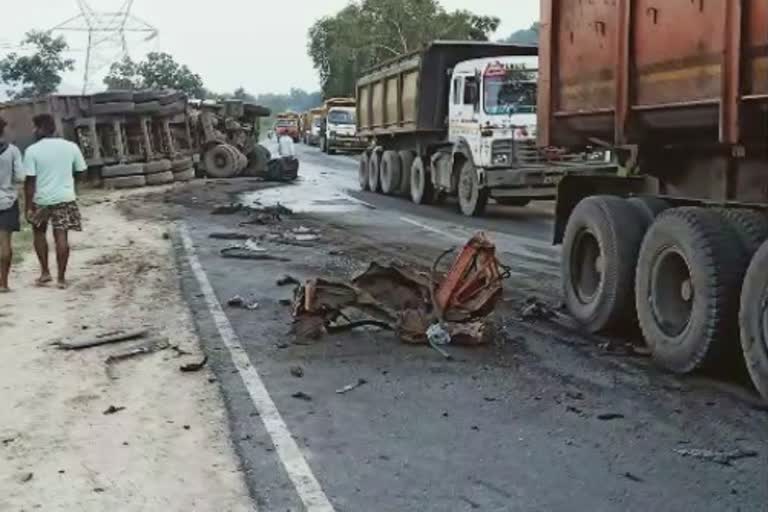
pixel 125 182
pixel 600 249
pixel 116 171
pixel 751 227
pixel 374 172
pixel 160 178
pixel 362 172
pixel 220 162
pixel 472 198
pixel 649 207
pixel 157 166
pixel 406 162
pixel 422 190
pixel 689 278
pixel 753 320
pixel 390 172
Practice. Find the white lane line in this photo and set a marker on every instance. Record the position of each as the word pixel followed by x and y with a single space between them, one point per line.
pixel 434 230
pixel 304 481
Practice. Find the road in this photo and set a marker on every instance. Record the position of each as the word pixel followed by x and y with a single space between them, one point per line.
pixel 544 419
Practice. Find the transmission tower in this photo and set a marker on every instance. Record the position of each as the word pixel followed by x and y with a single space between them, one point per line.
pixel 109 35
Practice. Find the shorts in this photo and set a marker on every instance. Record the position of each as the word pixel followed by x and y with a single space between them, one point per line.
pixel 9 219
pixel 63 217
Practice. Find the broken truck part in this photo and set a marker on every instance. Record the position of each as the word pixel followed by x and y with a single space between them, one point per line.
pixel 407 301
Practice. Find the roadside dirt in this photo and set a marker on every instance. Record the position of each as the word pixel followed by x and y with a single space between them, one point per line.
pixel 169 448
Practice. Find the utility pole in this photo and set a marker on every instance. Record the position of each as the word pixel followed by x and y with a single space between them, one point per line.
pixel 107 35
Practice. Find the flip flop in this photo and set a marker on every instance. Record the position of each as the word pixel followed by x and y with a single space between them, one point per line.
pixel 5 290
pixel 62 286
pixel 43 281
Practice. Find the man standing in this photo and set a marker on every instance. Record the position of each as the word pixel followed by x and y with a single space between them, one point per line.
pixel 10 174
pixel 50 194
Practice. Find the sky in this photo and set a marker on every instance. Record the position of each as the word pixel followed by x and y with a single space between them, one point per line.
pixel 257 44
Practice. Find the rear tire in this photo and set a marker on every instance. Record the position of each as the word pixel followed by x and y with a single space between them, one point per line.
pixel 185 175
pixel 689 276
pixel 750 226
pixel 472 198
pixel 220 162
pixel 753 320
pixel 125 182
pixel 117 171
pixel 649 207
pixel 374 172
pixel 160 178
pixel 157 166
pixel 362 172
pixel 390 172
pixel 406 162
pixel 600 249
pixel 422 190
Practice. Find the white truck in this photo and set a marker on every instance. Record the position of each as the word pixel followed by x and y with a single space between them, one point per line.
pixel 339 129
pixel 457 118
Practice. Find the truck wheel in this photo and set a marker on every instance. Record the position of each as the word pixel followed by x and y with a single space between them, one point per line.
pixel 472 198
pixel 116 171
pixel 406 162
pixel 220 162
pixel 751 227
pixel 362 172
pixel 390 172
pixel 422 190
pixel 374 172
pixel 689 278
pixel 125 182
pixel 157 166
pixel 600 251
pixel 513 201
pixel 753 320
pixel 160 178
pixel 649 207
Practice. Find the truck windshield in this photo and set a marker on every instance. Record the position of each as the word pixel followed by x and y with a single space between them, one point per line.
pixel 286 123
pixel 341 117
pixel 507 94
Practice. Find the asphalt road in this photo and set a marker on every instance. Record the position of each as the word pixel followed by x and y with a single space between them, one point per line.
pixel 545 419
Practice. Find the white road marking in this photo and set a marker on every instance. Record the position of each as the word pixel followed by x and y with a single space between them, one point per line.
pixel 304 481
pixel 434 230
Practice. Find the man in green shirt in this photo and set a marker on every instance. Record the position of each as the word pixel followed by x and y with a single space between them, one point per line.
pixel 50 164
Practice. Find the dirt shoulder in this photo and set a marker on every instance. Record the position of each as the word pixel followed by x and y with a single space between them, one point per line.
pixel 169 448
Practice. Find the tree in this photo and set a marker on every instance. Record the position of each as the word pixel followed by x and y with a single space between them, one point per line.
pixel 157 71
pixel 39 73
pixel 367 32
pixel 528 36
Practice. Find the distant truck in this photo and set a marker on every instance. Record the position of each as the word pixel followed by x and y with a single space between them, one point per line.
pixel 287 123
pixel 338 131
pixel 313 126
pixel 457 118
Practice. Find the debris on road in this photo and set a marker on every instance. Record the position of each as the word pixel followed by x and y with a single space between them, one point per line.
pixel 229 236
pixel 26 477
pixel 634 478
pixel 194 367
pixel 726 458
pixel 239 302
pixel 300 395
pixel 350 387
pixel 102 339
pixel 409 302
pixel 297 371
pixel 147 348
pixel 535 309
pixel 246 252
pixel 227 209
pixel 287 280
pixel 610 416
pixel 113 410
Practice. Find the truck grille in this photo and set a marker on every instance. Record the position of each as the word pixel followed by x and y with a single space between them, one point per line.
pixel 527 152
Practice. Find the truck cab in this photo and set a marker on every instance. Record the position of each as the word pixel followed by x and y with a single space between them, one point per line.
pixel 340 130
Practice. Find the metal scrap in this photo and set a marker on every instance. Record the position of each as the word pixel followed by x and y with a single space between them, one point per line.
pixel 726 458
pixel 350 387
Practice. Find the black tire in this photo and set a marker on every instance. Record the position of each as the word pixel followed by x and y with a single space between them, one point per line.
pixel 753 320
pixel 172 109
pixel 329 150
pixel 472 198
pixel 185 175
pixel 751 227
pixel 119 96
pixel 220 162
pixel 649 207
pixel 362 172
pixel 157 166
pixel 258 160
pixel 160 178
pixel 374 172
pixel 600 249
pixel 422 190
pixel 406 162
pixel 181 164
pixel 149 107
pixel 390 173
pixel 513 201
pixel 125 182
pixel 689 276
pixel 170 97
pixel 104 109
pixel 117 171
pixel 147 96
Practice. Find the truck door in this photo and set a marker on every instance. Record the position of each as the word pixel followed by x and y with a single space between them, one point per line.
pixel 464 111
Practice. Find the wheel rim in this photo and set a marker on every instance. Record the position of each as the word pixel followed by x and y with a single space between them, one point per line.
pixel 586 267
pixel 221 160
pixel 672 292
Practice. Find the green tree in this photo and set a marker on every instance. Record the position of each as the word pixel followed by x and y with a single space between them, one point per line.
pixel 123 75
pixel 157 71
pixel 367 32
pixel 528 36
pixel 38 73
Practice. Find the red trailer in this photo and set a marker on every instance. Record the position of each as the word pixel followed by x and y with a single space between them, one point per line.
pixel 678 89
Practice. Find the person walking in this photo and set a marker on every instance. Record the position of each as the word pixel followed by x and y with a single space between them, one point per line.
pixel 50 193
pixel 11 173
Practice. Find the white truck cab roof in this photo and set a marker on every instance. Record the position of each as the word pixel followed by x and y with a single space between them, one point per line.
pixel 469 67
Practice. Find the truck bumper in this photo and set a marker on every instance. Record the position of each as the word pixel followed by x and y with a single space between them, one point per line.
pixel 536 182
pixel 352 144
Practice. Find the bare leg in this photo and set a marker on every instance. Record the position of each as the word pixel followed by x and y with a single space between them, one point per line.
pixel 6 256
pixel 61 239
pixel 41 248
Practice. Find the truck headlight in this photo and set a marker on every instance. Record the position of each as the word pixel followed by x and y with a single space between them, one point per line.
pixel 500 159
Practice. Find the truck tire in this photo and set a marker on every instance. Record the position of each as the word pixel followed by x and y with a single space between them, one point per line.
pixel 181 164
pixel 600 249
pixel 157 166
pixel 390 173
pixel 185 175
pixel 160 178
pixel 753 320
pixel 513 201
pixel 689 276
pixel 125 182
pixel 751 227
pixel 649 207
pixel 422 190
pixel 148 107
pixel 406 162
pixel 117 96
pixel 104 109
pixel 117 171
pixel 362 172
pixel 374 172
pixel 472 198
pixel 220 162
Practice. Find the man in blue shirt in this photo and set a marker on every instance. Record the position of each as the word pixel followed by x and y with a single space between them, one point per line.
pixel 50 194
pixel 11 173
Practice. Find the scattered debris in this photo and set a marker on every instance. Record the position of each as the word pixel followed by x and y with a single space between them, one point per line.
pixel 610 416
pixel 726 458
pixel 634 478
pixel 7 441
pixel 300 395
pixel 575 395
pixel 187 427
pixel 180 352
pixel 287 280
pixel 574 410
pixel 102 339
pixel 149 347
pixel 26 477
pixel 297 371
pixel 244 252
pixel 285 302
pixel 536 310
pixel 229 236
pixel 238 302
pixel 98 490
pixel 113 410
pixel 227 209
pixel 194 367
pixel 350 387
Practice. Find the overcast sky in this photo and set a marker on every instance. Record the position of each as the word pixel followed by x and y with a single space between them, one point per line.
pixel 258 44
